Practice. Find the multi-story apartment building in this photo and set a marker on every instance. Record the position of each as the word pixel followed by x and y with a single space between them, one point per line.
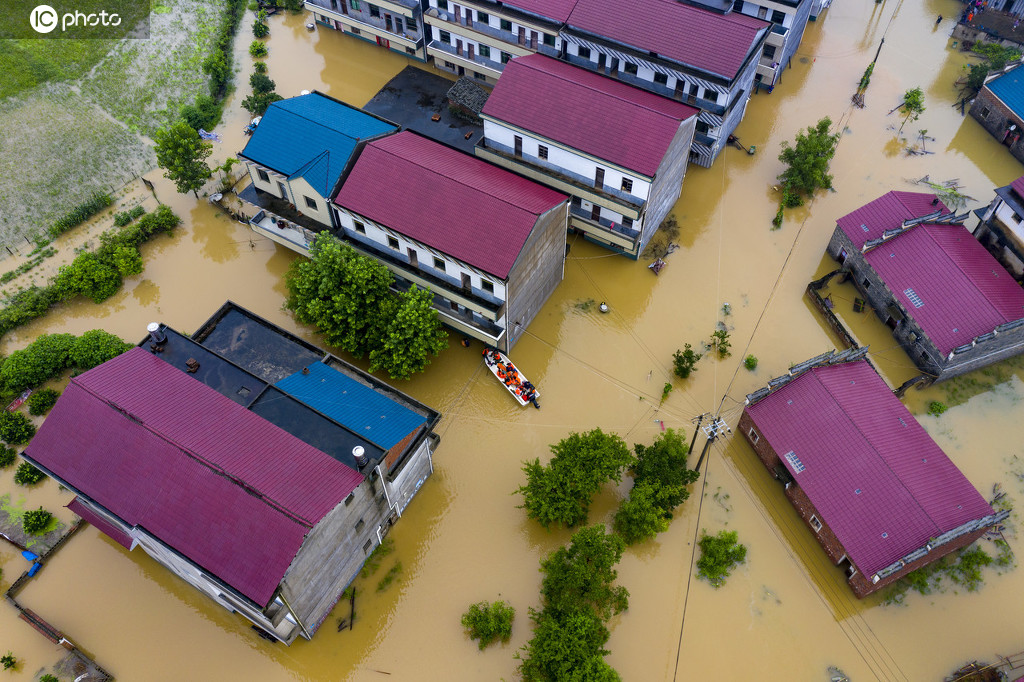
pixel 620 152
pixel 789 19
pixel 396 25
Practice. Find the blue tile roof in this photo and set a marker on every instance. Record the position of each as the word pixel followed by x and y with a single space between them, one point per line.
pixel 358 407
pixel 311 136
pixel 1010 89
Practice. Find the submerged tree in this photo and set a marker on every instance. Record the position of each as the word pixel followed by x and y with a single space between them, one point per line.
pixel 182 154
pixel 913 106
pixel 807 162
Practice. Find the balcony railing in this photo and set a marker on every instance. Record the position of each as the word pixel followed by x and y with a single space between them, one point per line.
pixel 498 34
pixel 616 228
pixel 483 62
pixel 585 184
pixel 410 30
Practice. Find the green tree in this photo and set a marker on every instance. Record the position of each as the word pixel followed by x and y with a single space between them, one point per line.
pixel 7 457
pixel 44 358
pixel 719 554
pixel 257 103
pixel 567 649
pixel 15 428
pixel 26 474
pixel 182 154
pixel 977 75
pixel 41 401
pixel 257 50
pixel 807 161
pixel 216 66
pixel 913 106
pixel 261 82
pixel 90 276
pixel 639 518
pixel 684 361
pixel 580 576
pixel 8 661
pixel 413 333
pixel 260 28
pixel 95 347
pixel 35 521
pixel 560 493
pixel 662 465
pixel 489 622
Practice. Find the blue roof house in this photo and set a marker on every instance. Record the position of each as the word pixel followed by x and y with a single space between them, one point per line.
pixel 999 107
pixel 295 158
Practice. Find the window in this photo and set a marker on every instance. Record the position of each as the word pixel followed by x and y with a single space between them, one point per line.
pixel 446 37
pixel 355 4
pixel 595 213
pixel 359 525
pixel 485 51
pixel 442 4
pixel 310 203
pixel 479 76
pixel 753 435
pixel 439 263
pixel 762 12
pixel 409 50
pixel 542 152
pixel 815 523
pixel 518 145
pixel 627 222
pixel 355 31
pixel 702 127
pixel 393 243
pixel 398 25
pixel 984 112
pixel 487 286
pixel 360 228
pixel 505 57
pixel 583 52
pixel 262 175
pixel 778 17
pixel 506 25
pixel 549 39
pixel 483 17
pixel 627 185
pixel 629 68
pixel 450 65
pixel 769 51
pixel 660 78
pixel 348 500
pixel 374 11
pixel 866 283
pixel 367 546
pixel 467 283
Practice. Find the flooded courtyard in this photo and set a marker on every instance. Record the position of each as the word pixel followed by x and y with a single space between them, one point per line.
pixel 787 613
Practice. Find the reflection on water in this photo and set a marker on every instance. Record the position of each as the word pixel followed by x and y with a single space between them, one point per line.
pixel 786 613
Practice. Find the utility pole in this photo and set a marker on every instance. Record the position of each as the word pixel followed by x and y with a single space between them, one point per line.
pixel 712 431
pixel 693 441
pixel 879 51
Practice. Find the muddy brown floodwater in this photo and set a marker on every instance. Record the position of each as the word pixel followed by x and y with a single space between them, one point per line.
pixel 785 614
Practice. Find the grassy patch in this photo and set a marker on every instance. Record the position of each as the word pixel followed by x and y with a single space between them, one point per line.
pixel 29 63
pixel 376 557
pixel 390 577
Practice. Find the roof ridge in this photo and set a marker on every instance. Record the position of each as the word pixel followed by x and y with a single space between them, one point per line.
pixel 620 98
pixel 870 444
pixel 316 123
pixel 219 471
pixel 513 204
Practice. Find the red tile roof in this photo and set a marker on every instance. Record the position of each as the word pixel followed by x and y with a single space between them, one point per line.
pixel 455 203
pixel 557 10
pixel 217 483
pixel 875 476
pixel 603 117
pixel 962 290
pixel 887 212
pixel 712 42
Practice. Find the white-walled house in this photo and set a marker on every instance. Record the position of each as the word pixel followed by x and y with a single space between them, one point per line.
pixel 1001 229
pixel 789 19
pixel 396 25
pixel 489 245
pixel 295 158
pixel 620 152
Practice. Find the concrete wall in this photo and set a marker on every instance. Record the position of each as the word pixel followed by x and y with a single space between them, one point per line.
pixel 536 272
pixel 300 189
pixel 405 479
pixel 273 183
pixel 918 346
pixel 996 118
pixel 668 180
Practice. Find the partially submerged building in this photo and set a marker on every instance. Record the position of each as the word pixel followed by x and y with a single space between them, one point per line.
pixel 878 493
pixel 952 307
pixel 999 108
pixel 789 19
pixel 489 245
pixel 395 25
pixel 1001 227
pixel 295 158
pixel 620 152
pixel 254 466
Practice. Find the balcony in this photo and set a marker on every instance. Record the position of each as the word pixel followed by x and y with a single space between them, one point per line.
pixel 273 219
pixel 384 26
pixel 563 180
pixel 446 52
pixel 479 32
pixel 626 237
pixel 778 35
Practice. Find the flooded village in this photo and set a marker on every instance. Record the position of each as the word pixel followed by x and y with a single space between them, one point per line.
pixel 595 335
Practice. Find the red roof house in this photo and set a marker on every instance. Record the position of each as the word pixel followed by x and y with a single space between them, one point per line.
pixel 881 496
pixel 950 303
pixel 476 235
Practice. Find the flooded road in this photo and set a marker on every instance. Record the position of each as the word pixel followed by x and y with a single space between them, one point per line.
pixel 787 613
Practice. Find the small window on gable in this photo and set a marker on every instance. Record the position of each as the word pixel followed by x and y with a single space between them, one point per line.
pixel 583 52
pixel 660 78
pixel 984 112
pixel 627 185
pixel 439 263
pixel 815 523
pixel 348 500
pixel 542 152
pixel 360 228
pixel 392 242
pixel 262 175
pixel 866 283
pixel 630 68
pixel 310 203
pixel 367 546
pixel 487 286
pixel 359 525
pixel 753 435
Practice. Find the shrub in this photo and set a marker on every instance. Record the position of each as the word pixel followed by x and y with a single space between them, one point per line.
pixel 720 340
pixel 7 457
pixel 489 622
pixel 259 29
pixel 936 408
pixel 665 390
pixel 41 401
pixel 257 50
pixel 35 522
pixel 967 571
pixel 261 83
pixel 79 214
pixel 750 362
pixel 48 678
pixel 15 428
pixel 718 555
pixel 95 347
pixel 126 217
pixel 259 67
pixel 205 113
pixel 28 474
pixel 8 661
pixel 44 358
pixel 684 361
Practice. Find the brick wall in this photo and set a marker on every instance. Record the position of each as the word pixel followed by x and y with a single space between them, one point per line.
pixel 995 117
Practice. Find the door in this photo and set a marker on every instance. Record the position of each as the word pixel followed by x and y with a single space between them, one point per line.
pixel 284 191
pixel 522 35
pixel 465 282
pixel 458 16
pixel 387 24
pixel 595 213
pixel 533 40
pixel 518 146
pixel 458 47
pixel 413 258
pixel 469 46
pixel 599 178
pixel 344 7
pixel 601 60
